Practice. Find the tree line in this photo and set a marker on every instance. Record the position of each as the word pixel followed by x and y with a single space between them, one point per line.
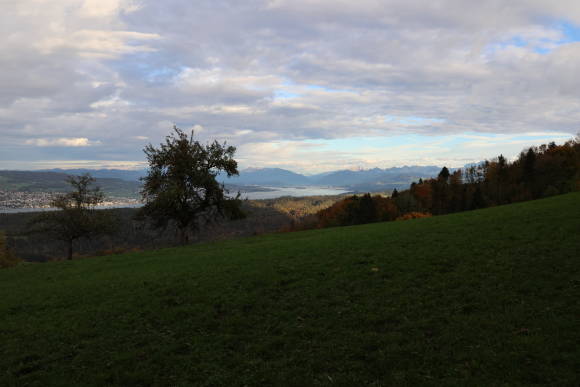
pixel 181 190
pixel 537 172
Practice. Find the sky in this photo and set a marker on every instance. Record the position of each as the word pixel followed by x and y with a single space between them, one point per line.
pixel 305 85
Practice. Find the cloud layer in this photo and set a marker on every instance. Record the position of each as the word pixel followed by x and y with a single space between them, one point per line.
pixel 284 80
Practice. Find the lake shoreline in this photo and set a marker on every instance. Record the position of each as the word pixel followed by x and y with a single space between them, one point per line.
pixel 261 193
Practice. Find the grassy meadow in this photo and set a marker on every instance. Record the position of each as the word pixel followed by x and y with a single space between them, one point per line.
pixel 487 297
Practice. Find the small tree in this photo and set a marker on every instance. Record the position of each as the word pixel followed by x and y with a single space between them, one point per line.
pixel 76 216
pixel 444 175
pixel 181 183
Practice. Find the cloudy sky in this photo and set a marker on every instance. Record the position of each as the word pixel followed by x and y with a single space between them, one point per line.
pixel 307 85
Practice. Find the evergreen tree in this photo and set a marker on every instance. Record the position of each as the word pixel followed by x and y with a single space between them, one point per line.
pixel 366 210
pixel 444 175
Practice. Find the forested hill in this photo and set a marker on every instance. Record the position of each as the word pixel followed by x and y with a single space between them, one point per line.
pixel 123 174
pixel 485 297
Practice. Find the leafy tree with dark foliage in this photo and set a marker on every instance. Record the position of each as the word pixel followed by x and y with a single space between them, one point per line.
pixel 76 216
pixel 181 185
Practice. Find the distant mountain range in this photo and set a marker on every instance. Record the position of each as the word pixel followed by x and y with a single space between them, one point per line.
pixel 127 181
pixel 375 179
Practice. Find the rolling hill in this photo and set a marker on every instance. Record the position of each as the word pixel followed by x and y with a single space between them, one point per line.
pixel 269 177
pixel 123 174
pixel 39 181
pixel 125 183
pixel 488 297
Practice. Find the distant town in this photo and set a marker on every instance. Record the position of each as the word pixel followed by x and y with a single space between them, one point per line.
pixel 23 199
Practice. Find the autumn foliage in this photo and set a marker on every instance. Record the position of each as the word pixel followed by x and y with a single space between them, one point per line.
pixel 414 215
pixel 358 210
pixel 536 173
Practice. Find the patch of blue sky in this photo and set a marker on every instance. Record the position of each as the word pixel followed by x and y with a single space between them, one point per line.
pixel 148 67
pixel 284 94
pixel 317 87
pixel 160 74
pixel 542 50
pixel 448 141
pixel 357 143
pixel 502 45
pixel 326 89
pixel 293 85
pixel 512 141
pixel 571 32
pixel 517 41
pixel 546 137
pixel 522 136
pixel 544 46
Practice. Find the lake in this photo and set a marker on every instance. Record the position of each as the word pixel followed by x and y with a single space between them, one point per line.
pixel 270 193
pixel 276 192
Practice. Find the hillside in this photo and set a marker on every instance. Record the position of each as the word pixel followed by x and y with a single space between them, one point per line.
pixel 123 174
pixel 377 179
pixel 121 183
pixel 268 177
pixel 487 297
pixel 262 216
pixel 38 181
pixel 120 187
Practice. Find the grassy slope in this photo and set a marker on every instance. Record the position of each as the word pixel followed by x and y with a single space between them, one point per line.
pixel 479 298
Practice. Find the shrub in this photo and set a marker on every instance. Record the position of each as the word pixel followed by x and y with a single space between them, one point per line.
pixel 551 191
pixel 414 215
pixel 308 222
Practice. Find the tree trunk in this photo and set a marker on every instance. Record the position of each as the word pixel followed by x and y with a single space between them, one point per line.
pixel 183 236
pixel 69 249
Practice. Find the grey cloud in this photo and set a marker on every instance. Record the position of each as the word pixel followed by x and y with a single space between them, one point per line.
pixel 282 70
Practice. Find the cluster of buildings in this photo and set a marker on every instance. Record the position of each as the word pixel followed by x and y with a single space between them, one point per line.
pixel 23 199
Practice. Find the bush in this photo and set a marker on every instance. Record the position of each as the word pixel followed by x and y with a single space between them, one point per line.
pixel 551 191
pixel 7 258
pixel 414 215
pixel 308 222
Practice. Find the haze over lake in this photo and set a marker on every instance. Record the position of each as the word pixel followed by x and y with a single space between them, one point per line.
pixel 270 193
pixel 276 192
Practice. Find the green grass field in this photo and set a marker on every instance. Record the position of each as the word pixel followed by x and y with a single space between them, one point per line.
pixel 489 297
